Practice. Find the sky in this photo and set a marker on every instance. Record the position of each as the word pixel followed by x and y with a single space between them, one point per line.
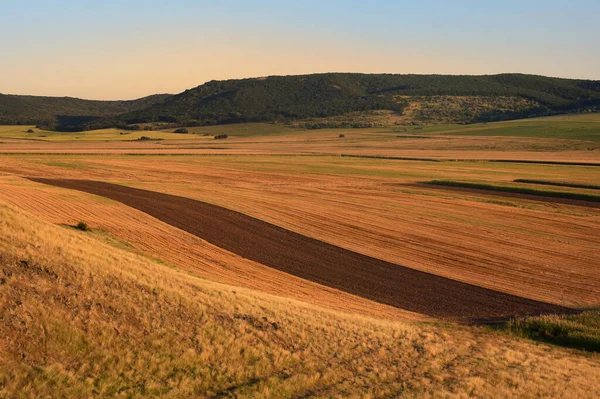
pixel 112 50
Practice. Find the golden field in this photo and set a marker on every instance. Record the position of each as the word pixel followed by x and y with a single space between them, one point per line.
pixel 136 307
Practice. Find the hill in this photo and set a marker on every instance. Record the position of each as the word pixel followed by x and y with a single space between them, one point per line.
pixel 285 98
pixel 321 100
pixel 81 318
pixel 65 112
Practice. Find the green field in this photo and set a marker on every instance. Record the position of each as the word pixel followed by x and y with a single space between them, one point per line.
pixel 574 127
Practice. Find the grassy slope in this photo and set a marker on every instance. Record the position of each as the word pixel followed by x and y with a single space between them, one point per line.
pixel 573 127
pixel 79 318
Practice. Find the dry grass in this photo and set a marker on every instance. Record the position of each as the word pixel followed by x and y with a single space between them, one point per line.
pixel 79 318
pixel 154 238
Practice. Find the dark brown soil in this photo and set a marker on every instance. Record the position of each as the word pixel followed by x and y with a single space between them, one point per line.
pixel 318 261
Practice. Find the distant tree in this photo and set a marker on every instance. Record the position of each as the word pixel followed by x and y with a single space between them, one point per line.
pixel 221 136
pixel 181 130
pixel 30 131
pixel 342 135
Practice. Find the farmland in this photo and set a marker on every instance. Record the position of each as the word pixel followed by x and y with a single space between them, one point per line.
pixel 367 198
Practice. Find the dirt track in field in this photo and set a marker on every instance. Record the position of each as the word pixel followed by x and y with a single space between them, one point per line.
pixel 318 261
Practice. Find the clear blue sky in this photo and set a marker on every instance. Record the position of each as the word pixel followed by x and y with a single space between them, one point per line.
pixel 124 49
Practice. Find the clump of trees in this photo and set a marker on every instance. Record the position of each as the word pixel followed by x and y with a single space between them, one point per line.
pixel 181 130
pixel 221 136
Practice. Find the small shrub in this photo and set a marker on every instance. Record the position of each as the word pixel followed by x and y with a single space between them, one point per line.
pixel 144 138
pixel 30 131
pixel 221 136
pixel 342 135
pixel 82 226
pixel 181 130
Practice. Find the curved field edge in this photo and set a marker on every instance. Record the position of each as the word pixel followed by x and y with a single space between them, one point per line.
pixel 317 261
pixel 80 318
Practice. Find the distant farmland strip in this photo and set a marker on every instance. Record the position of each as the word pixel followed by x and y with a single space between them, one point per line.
pixel 558 183
pixel 518 190
pixel 317 261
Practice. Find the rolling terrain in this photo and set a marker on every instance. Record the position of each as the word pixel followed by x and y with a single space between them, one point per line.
pixel 320 101
pixel 317 261
pixel 82 318
pixel 287 261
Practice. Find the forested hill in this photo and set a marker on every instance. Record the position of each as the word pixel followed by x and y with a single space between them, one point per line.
pixel 33 110
pixel 322 95
pixel 288 98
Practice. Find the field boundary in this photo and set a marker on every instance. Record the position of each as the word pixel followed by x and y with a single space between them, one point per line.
pixel 581 199
pixel 318 261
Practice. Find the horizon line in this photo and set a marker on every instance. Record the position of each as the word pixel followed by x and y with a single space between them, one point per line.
pixel 301 74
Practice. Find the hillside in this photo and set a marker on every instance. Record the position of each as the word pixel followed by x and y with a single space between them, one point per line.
pixel 65 112
pixel 285 98
pixel 321 100
pixel 81 318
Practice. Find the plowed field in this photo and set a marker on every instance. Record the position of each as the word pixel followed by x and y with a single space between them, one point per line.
pixel 318 261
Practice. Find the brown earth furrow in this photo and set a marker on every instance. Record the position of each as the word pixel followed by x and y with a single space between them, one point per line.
pixel 318 261
pixel 498 193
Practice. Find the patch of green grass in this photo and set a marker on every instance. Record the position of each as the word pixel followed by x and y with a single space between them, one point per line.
pixel 559 184
pixel 580 331
pixel 517 190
